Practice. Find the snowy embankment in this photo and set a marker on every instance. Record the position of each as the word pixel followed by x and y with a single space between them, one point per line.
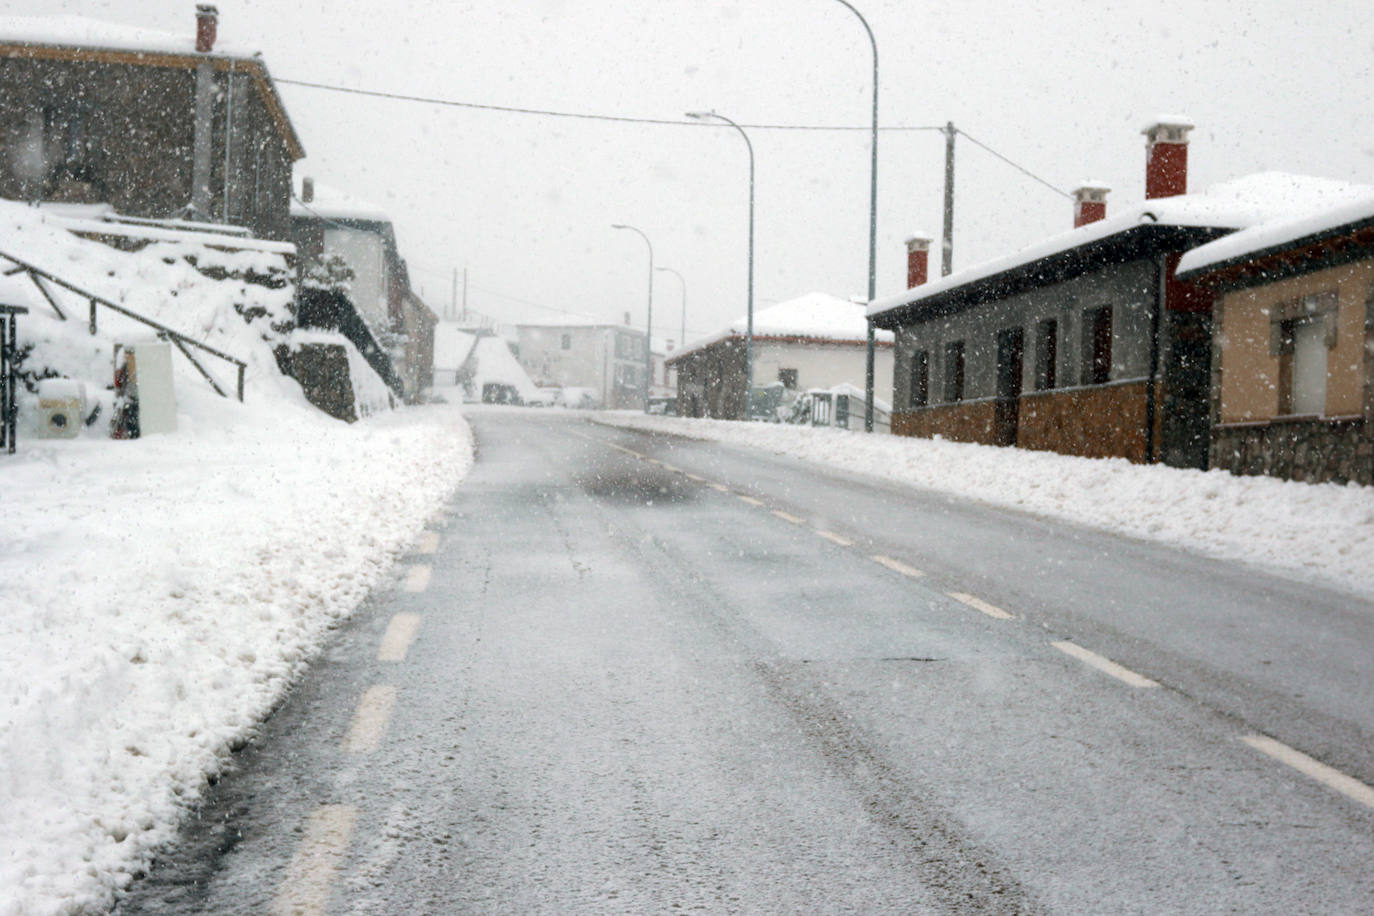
pixel 1315 533
pixel 159 597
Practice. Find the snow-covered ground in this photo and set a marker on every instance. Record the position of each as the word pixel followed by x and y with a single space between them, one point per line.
pixel 159 595
pixel 1315 533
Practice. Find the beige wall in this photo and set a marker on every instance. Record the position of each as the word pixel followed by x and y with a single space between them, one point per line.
pixel 1249 374
pixel 823 366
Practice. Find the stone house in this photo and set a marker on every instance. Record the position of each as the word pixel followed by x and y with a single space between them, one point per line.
pixel 383 316
pixel 154 125
pixel 1087 343
pixel 1293 352
pixel 813 341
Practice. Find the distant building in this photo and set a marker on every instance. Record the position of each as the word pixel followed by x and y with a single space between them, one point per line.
pixel 606 360
pixel 334 233
pixel 154 125
pixel 1293 352
pixel 814 341
pixel 1087 343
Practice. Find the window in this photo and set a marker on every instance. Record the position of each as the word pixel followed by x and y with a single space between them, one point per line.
pixel 1301 333
pixel 920 378
pixel 954 371
pixel 788 377
pixel 1046 353
pixel 1097 345
pixel 566 342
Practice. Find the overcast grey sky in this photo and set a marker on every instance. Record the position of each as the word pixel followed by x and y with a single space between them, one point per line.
pixel 525 203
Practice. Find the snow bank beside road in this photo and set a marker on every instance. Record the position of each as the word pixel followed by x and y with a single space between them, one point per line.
pixel 1316 533
pixel 158 597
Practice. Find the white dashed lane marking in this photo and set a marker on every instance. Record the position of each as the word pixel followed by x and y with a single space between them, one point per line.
pixel 787 517
pixel 1330 777
pixel 429 542
pixel 324 841
pixel 749 499
pixel 979 604
pixel 370 719
pixel 417 578
pixel 400 633
pixel 1105 665
pixel 897 566
pixel 834 538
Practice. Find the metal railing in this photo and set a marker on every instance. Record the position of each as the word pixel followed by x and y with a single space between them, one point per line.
pixel 41 278
pixel 8 378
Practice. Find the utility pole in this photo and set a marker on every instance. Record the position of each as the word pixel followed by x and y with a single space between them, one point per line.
pixel 947 242
pixel 453 299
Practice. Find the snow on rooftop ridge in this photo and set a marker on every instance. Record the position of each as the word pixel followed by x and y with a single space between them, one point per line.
pixel 1169 120
pixel 1236 204
pixel 818 316
pixel 1275 233
pixel 330 203
pixel 81 32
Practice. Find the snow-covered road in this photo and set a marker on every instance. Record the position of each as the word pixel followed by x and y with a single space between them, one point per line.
pixel 638 673
pixel 159 596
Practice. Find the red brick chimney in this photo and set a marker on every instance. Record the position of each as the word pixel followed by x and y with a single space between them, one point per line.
pixel 1089 203
pixel 1166 156
pixel 206 18
pixel 917 260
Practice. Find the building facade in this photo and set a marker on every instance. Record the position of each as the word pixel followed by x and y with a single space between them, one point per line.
pixel 1087 344
pixel 1293 355
pixel 154 125
pixel 605 360
pixel 814 341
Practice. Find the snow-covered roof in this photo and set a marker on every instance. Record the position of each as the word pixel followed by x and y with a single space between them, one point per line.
pixel 112 224
pixel 570 320
pixel 1279 233
pixel 493 363
pixel 1231 205
pixel 80 32
pixel 452 345
pixel 331 203
pixel 815 316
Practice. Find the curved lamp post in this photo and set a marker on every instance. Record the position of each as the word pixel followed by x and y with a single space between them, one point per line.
pixel 682 342
pixel 649 320
pixel 749 319
pixel 872 223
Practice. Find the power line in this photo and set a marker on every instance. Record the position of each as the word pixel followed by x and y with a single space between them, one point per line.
pixel 548 113
pixel 1020 168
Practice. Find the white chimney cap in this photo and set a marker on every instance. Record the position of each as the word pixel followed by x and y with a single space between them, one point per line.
pixel 918 239
pixel 1178 122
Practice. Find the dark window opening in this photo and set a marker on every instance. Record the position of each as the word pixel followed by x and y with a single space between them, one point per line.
pixel 920 378
pixel 1046 354
pixel 788 377
pixel 567 342
pixel 1097 345
pixel 954 371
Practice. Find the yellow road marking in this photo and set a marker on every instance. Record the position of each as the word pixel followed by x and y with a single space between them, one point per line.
pixel 370 719
pixel 417 578
pixel 979 604
pixel 749 499
pixel 788 517
pixel 1330 777
pixel 305 891
pixel 400 633
pixel 897 566
pixel 836 538
pixel 1105 665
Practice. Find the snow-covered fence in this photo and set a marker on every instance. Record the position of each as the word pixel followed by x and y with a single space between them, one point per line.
pixel 42 277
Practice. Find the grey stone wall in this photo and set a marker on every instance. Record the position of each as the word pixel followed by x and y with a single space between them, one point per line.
pixel 1310 450
pixel 79 131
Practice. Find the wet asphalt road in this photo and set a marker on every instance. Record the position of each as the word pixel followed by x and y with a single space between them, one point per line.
pixel 647 675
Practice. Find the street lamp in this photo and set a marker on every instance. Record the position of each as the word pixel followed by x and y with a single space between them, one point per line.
pixel 749 319
pixel 872 224
pixel 649 320
pixel 682 342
